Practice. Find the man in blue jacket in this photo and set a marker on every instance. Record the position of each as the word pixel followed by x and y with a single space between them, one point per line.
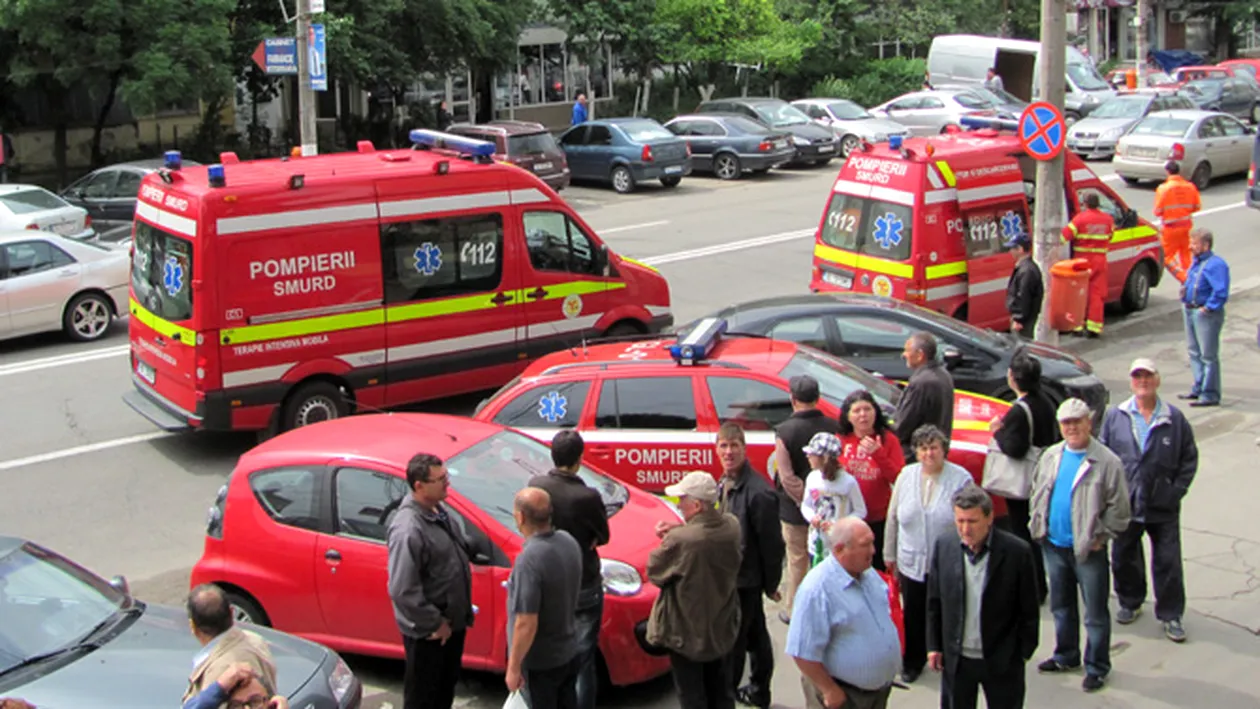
pixel 1204 294
pixel 579 108
pixel 1156 444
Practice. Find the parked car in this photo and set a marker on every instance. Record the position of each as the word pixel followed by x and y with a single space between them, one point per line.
pixel 1237 97
pixel 69 638
pixel 1007 104
pixel 850 122
pixel 524 144
pixel 33 207
pixel 814 144
pixel 300 528
pixel 728 144
pixel 871 332
pixel 932 112
pixel 1207 145
pixel 109 193
pixel 1253 189
pixel 1096 135
pixel 1250 66
pixel 625 152
pixel 54 283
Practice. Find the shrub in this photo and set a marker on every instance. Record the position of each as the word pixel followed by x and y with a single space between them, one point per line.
pixel 879 81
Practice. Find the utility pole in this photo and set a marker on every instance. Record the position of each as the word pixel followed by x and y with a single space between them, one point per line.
pixel 1139 33
pixel 306 95
pixel 1048 216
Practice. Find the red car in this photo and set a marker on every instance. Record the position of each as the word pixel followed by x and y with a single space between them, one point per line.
pixel 297 535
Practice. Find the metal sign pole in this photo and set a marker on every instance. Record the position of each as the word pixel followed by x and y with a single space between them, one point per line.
pixel 1048 216
pixel 306 94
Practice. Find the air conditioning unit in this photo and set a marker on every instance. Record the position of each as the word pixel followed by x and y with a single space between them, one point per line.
pixel 1177 16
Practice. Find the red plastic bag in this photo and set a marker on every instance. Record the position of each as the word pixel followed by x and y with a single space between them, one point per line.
pixel 894 605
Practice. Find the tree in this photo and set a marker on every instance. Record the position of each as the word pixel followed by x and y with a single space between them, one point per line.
pixel 628 27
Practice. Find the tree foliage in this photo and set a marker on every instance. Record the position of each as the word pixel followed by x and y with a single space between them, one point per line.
pixel 708 34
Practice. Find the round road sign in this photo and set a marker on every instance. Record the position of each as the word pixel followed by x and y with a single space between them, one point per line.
pixel 1042 131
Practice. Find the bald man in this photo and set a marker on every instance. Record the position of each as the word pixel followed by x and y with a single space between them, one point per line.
pixel 542 605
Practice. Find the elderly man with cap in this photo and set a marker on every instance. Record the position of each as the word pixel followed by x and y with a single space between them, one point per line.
pixel 1156 444
pixel 696 616
pixel 1025 291
pixel 1079 502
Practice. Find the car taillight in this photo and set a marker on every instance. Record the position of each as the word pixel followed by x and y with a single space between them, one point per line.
pixel 765 146
pixel 915 295
pixel 1178 152
pixel 647 153
pixel 1251 176
pixel 34 227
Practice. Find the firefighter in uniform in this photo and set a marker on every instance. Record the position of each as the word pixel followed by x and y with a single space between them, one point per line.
pixel 1090 232
pixel 1175 201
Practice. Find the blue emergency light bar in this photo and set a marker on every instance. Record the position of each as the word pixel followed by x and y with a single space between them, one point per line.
pixel 699 343
pixel 216 175
pixel 982 122
pixel 894 142
pixel 172 160
pixel 430 139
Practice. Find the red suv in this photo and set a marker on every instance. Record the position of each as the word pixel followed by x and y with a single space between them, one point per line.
pixel 526 145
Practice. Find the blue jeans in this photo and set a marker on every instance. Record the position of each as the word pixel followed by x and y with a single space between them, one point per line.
pixel 590 615
pixel 1203 339
pixel 1093 577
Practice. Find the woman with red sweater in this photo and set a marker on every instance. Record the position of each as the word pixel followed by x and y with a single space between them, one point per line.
pixel 870 451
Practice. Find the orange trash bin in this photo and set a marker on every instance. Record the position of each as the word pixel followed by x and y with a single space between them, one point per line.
pixel 1131 78
pixel 1069 294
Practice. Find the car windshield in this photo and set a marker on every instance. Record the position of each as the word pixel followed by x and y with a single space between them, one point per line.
pixel 837 378
pixel 781 114
pixel 848 111
pixel 490 474
pixel 640 131
pixel 989 95
pixel 1162 126
pixel 961 329
pixel 49 604
pixel 1122 107
pixel 868 226
pixel 162 272
pixel 1085 77
pixel 35 199
pixel 531 144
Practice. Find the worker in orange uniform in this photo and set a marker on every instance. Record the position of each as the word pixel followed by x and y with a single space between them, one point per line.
pixel 1175 201
pixel 1089 233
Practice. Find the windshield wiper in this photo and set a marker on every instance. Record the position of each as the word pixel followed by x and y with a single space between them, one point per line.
pixel 82 645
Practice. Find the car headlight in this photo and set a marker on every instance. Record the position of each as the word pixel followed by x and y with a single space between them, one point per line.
pixel 340 680
pixel 798 140
pixel 620 578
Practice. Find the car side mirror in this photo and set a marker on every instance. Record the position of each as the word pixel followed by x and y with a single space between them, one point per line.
pixel 952 356
pixel 119 584
pixel 1129 219
pixel 601 266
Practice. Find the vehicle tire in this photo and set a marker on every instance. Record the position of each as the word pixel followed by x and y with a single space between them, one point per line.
pixel 848 144
pixel 671 181
pixel 623 329
pixel 1130 181
pixel 1202 176
pixel 314 402
pixel 820 163
pixel 727 167
pixel 760 171
pixel 1137 288
pixel 87 317
pixel 1070 117
pixel 245 609
pixel 622 180
pixel 945 128
pixel 1255 114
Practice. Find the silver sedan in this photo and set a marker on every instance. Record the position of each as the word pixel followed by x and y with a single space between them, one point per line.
pixel 1206 143
pixel 850 122
pixel 930 112
pixel 33 207
pixel 48 283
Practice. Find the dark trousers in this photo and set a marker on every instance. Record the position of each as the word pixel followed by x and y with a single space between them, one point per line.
pixel 703 685
pixel 878 529
pixel 1019 516
pixel 1128 563
pixel 753 642
pixel 1091 578
pixel 961 688
pixel 432 671
pixel 589 616
pixel 554 688
pixel 914 613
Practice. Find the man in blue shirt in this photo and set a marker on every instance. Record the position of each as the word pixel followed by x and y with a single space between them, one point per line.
pixel 842 636
pixel 579 108
pixel 1204 294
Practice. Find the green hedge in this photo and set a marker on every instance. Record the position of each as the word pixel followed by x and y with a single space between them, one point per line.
pixel 879 81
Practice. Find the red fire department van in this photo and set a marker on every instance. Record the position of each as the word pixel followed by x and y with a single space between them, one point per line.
pixel 926 219
pixel 277 293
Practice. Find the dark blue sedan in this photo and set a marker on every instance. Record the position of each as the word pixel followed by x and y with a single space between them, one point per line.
pixel 728 144
pixel 625 152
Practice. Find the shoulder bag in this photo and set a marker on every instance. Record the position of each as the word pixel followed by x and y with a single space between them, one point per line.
pixel 1011 477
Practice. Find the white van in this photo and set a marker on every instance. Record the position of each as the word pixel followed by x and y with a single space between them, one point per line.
pixel 966 59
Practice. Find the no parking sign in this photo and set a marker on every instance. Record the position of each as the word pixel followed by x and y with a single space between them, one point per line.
pixel 1042 131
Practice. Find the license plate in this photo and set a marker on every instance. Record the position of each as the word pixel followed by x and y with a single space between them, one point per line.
pixel 540 166
pixel 1143 152
pixel 146 372
pixel 780 144
pixel 1085 144
pixel 837 279
pixel 826 148
pixel 64 228
pixel 673 169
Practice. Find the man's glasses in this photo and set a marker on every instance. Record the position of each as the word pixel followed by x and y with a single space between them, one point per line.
pixel 257 701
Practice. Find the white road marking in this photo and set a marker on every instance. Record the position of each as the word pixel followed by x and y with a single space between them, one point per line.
pixel 81 450
pixel 1111 178
pixel 34 365
pixel 727 247
pixel 1205 212
pixel 631 227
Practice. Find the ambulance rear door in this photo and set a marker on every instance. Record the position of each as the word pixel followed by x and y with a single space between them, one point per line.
pixel 994 209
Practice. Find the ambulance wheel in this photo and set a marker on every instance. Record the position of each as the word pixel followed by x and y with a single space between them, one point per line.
pixel 671 181
pixel 1137 288
pixel 623 329
pixel 622 179
pixel 314 402
pixel 727 167
pixel 1202 176
pixel 88 317
pixel 847 145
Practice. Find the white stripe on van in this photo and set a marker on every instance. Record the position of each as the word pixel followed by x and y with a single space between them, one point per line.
pixel 257 375
pixel 1006 189
pixel 450 203
pixel 938 196
pixel 529 196
pixel 935 179
pixel 298 218
pixel 167 220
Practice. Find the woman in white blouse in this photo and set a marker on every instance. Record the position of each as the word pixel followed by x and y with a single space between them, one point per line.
pixel 920 511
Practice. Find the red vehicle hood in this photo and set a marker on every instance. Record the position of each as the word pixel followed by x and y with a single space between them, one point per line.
pixel 633 530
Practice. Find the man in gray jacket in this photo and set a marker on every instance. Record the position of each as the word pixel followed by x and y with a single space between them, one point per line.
pixel 928 396
pixel 430 585
pixel 1079 503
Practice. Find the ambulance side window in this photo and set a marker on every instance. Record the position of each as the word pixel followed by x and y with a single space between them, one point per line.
pixel 440 257
pixel 988 230
pixel 652 402
pixel 556 243
pixel 554 406
pixel 1106 204
pixel 754 405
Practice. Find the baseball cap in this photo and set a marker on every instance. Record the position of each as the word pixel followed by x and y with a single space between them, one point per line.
pixel 823 443
pixel 1020 240
pixel 697 484
pixel 804 388
pixel 1143 364
pixel 1073 409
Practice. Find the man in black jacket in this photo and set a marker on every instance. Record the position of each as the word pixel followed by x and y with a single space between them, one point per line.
pixel 1025 290
pixel 748 496
pixel 578 509
pixel 982 616
pixel 929 395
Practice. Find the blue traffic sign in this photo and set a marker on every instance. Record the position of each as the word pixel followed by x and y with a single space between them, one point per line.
pixel 277 56
pixel 1042 131
pixel 317 51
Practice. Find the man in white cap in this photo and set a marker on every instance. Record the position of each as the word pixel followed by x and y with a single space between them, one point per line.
pixel 696 617
pixel 1079 502
pixel 1156 444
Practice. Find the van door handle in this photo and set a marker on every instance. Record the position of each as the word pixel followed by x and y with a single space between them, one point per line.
pixel 65 273
pixel 500 298
pixel 332 556
pixel 537 293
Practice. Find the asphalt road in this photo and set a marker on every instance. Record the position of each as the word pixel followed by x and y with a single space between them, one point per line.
pixel 83 474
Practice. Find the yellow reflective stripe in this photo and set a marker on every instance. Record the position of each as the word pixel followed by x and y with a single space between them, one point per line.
pixel 640 263
pixel 942 270
pixel 1073 228
pixel 306 326
pixel 162 327
pixel 972 425
pixel 1090 250
pixel 564 290
pixel 1137 232
pixel 947 173
pixel 866 263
